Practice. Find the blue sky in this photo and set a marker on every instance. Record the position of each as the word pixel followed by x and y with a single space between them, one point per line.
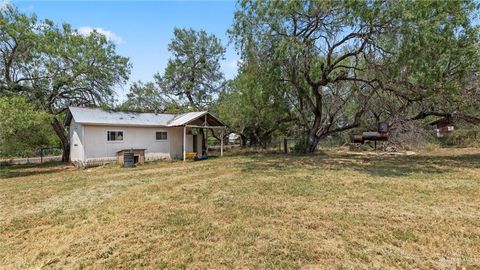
pixel 142 29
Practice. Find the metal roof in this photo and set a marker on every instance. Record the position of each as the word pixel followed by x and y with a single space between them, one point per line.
pixel 97 116
pixel 184 118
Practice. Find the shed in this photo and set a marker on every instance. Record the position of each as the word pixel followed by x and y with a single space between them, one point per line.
pixel 138 154
pixel 443 126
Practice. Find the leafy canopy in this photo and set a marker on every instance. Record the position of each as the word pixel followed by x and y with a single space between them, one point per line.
pixel 193 78
pixel 338 56
pixel 55 66
pixel 23 128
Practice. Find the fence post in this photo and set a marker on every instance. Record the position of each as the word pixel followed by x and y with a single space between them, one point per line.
pixel 285 145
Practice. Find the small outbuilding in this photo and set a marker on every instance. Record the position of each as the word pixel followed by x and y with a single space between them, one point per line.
pixel 138 155
pixel 97 135
pixel 234 138
pixel 443 126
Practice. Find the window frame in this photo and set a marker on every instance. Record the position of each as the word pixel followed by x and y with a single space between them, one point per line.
pixel 161 140
pixel 116 141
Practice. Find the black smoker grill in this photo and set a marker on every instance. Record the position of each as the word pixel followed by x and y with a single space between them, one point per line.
pixel 380 135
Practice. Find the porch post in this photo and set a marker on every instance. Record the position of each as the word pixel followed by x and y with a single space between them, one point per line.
pixel 184 142
pixel 221 144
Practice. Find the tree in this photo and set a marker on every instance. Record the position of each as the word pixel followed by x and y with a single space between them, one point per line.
pixel 255 107
pixel 22 128
pixel 337 55
pixel 193 77
pixel 81 70
pixel 19 41
pixel 144 97
pixel 440 81
pixel 59 68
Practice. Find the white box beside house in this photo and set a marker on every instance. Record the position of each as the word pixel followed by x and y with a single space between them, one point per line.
pixel 97 135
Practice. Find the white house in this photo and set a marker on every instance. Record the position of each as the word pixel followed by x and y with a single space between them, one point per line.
pixel 97 135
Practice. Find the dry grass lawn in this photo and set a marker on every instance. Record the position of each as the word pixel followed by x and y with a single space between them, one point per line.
pixel 326 211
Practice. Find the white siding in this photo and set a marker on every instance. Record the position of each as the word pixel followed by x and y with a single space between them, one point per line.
pixel 199 144
pixel 177 143
pixel 91 142
pixel 76 142
pixel 189 144
pixel 97 146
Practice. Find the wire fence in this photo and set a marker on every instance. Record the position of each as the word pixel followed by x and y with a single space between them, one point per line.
pixel 36 156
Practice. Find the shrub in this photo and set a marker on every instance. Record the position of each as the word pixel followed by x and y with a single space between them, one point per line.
pixel 22 128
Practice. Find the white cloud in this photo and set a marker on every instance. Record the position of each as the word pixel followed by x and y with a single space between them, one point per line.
pixel 112 36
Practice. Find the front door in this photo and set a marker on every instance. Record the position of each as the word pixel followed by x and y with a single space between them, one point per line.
pixel 194 144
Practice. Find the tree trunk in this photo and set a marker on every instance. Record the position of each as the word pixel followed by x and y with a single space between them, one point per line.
pixel 313 138
pixel 312 142
pixel 253 141
pixel 61 134
pixel 260 141
pixel 243 141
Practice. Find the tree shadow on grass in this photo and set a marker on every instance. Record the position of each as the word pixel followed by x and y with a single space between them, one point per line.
pixel 406 165
pixel 13 171
pixel 382 166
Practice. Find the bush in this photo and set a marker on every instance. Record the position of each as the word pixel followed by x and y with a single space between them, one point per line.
pixel 408 135
pixel 23 129
pixel 300 145
pixel 464 136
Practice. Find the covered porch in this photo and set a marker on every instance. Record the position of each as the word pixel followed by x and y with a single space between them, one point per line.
pixel 195 133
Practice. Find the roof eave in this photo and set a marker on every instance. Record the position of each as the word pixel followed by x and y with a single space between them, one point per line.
pixel 203 113
pixel 120 124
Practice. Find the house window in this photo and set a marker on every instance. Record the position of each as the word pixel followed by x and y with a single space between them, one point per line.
pixel 161 136
pixel 114 136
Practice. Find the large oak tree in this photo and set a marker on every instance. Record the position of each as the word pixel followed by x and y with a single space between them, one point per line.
pixel 56 67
